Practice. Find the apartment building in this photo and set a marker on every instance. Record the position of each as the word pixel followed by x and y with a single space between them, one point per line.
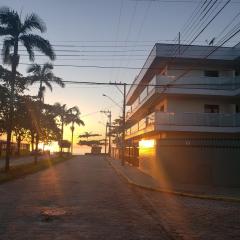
pixel 183 118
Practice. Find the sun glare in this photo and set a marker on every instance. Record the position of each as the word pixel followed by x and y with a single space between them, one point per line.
pixel 147 143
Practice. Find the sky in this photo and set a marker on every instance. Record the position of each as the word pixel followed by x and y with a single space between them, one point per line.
pixel 113 33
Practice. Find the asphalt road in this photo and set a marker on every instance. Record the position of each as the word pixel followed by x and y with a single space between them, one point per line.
pixel 82 198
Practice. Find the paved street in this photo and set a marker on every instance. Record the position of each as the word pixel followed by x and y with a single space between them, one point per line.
pixel 92 202
pixel 97 205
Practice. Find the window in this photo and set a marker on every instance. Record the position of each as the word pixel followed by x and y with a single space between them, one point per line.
pixel 162 108
pixel 211 73
pixel 237 108
pixel 211 108
pixel 237 73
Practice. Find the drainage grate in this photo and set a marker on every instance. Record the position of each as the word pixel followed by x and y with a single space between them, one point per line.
pixel 52 213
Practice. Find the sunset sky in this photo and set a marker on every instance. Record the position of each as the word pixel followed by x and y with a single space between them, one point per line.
pixel 108 33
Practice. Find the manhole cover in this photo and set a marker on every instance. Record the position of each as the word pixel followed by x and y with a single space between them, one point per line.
pixel 50 214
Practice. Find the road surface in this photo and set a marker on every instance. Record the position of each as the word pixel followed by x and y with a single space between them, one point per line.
pixel 87 200
pixel 84 198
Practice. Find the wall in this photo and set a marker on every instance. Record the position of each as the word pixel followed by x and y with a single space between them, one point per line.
pixel 210 162
pixel 181 105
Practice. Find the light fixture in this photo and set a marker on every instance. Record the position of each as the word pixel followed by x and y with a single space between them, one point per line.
pixel 150 143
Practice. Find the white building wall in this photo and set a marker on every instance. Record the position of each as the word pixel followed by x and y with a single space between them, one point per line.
pixel 181 105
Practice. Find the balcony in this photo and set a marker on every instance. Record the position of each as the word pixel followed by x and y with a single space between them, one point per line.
pixel 189 122
pixel 209 86
pixel 200 82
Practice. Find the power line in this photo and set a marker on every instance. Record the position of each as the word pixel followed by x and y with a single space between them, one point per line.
pixel 95 66
pixel 152 85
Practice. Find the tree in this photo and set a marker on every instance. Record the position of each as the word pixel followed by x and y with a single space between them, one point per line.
pixel 43 75
pixel 73 117
pixel 20 122
pixel 61 112
pixel 49 129
pixel 17 31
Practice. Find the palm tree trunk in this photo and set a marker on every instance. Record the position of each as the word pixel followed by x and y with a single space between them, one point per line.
pixel 32 140
pixel 61 151
pixel 15 60
pixel 72 137
pixel 18 145
pixel 36 150
pixel 39 117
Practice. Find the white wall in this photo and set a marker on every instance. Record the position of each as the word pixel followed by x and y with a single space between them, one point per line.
pixel 180 105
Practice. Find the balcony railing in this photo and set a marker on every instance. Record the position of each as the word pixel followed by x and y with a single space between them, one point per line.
pixel 198 119
pixel 186 119
pixel 208 83
pixel 201 82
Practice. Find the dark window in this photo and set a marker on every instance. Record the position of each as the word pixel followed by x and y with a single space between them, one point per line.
pixel 211 108
pixel 237 73
pixel 237 108
pixel 162 108
pixel 211 73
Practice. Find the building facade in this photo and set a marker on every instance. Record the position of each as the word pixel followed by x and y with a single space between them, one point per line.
pixel 183 118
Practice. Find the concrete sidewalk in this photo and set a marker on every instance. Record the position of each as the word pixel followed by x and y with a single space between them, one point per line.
pixel 136 177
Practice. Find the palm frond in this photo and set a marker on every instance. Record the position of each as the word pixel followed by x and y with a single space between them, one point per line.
pixel 80 122
pixel 33 21
pixel 8 44
pixel 11 19
pixel 29 49
pixel 34 68
pixel 58 81
pixel 74 110
pixel 40 43
pixel 4 31
pixel 47 67
pixel 48 84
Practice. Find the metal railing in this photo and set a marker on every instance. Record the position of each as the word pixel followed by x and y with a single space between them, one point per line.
pixel 186 119
pixel 201 82
pixel 198 119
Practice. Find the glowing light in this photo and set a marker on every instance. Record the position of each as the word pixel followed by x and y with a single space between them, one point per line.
pixel 147 143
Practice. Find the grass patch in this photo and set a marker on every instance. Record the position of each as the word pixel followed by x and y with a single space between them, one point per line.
pixel 19 171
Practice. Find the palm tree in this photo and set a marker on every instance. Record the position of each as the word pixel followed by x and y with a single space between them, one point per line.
pixel 44 75
pixel 74 117
pixel 17 31
pixel 61 112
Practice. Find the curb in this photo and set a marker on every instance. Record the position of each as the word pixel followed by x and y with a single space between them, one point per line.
pixel 183 194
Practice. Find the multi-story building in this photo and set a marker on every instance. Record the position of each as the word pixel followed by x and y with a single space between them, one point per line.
pixel 183 123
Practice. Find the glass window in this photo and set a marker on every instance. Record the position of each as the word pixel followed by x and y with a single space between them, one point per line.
pixel 211 73
pixel 211 108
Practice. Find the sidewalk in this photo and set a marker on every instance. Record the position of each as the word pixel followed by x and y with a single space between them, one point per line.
pixel 20 160
pixel 136 177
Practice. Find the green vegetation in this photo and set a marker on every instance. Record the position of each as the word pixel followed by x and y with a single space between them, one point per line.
pixel 19 171
pixel 29 118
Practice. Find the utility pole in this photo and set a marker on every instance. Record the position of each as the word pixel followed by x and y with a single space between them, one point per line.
pixel 109 133
pixel 124 124
pixel 109 115
pixel 179 43
pixel 105 151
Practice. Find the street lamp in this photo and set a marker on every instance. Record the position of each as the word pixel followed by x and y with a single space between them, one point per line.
pixel 104 95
